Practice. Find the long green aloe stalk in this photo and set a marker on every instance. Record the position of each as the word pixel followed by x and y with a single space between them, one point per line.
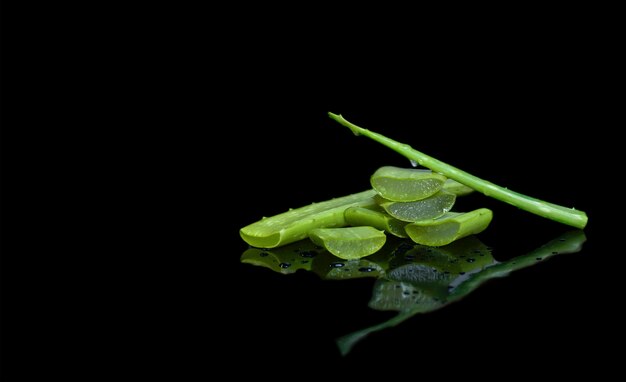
pixel 569 216
pixel 296 224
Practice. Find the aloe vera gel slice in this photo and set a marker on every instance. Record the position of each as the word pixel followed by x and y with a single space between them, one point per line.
pixel 450 227
pixel 359 216
pixel 406 184
pixel 295 225
pixel 430 208
pixel 349 242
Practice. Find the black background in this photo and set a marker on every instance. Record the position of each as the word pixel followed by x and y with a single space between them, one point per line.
pixel 121 252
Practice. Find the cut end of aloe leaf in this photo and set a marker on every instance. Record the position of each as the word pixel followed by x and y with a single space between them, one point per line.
pixel 269 241
pixel 450 227
pixel 406 184
pixel 349 242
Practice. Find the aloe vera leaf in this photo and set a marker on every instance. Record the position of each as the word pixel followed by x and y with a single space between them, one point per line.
pixel 359 216
pixel 430 208
pixel 295 224
pixel 406 184
pixel 568 216
pixel 349 242
pixel 456 188
pixel 449 227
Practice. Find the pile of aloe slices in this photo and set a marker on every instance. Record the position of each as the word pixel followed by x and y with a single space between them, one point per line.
pixel 404 202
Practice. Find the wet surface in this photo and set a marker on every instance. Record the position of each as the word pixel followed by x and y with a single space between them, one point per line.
pixel 412 278
pixel 150 279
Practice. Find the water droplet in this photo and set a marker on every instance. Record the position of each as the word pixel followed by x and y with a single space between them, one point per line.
pixel 538 258
pixel 336 264
pixel 308 253
pixel 414 163
pixel 461 273
pixel 561 239
pixel 263 254
pixel 555 253
pixel 284 265
pixel 406 293
pixel 366 269
pixel 470 260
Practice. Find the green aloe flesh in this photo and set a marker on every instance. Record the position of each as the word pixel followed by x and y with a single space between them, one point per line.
pixel 568 216
pixel 430 208
pixel 450 227
pixel 406 184
pixel 359 216
pixel 296 224
pixel 349 242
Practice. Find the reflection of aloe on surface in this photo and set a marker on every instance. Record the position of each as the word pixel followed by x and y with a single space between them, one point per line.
pixel 411 278
pixel 428 298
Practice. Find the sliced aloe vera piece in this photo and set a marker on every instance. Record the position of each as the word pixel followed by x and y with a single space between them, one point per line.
pixel 449 227
pixel 295 224
pixel 359 216
pixel 430 208
pixel 457 188
pixel 406 184
pixel 349 242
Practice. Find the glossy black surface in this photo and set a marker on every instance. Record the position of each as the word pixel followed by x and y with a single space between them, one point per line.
pixel 123 261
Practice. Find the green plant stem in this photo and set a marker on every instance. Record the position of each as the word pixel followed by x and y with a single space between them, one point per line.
pixel 568 216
